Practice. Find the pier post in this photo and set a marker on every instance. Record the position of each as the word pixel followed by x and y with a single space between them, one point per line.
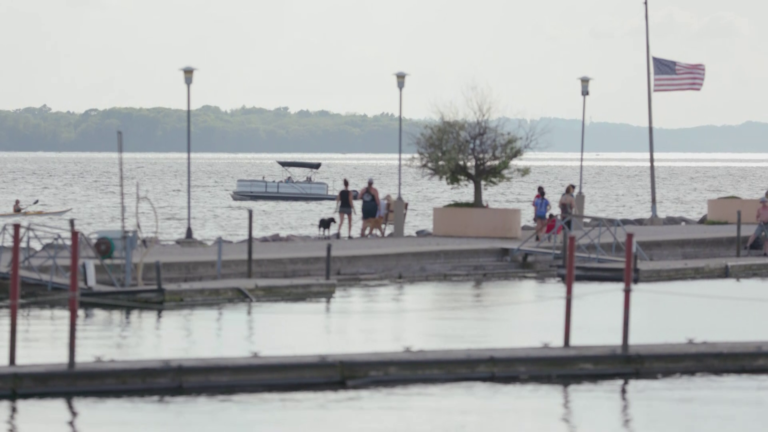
pixel 738 233
pixel 328 262
pixel 564 247
pixel 250 243
pixel 14 294
pixel 159 275
pixel 129 245
pixel 629 245
pixel 73 295
pixel 218 258
pixel 570 275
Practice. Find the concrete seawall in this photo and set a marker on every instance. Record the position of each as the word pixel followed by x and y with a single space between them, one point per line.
pixel 354 370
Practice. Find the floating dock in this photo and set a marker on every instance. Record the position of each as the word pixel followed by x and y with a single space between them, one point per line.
pixel 356 370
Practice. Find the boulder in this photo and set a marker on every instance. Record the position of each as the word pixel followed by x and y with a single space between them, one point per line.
pixel 528 228
pixel 423 233
pixel 190 243
pixel 688 221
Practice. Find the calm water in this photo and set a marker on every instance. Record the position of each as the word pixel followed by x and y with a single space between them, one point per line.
pixel 420 316
pixel 700 404
pixel 615 185
pixel 393 317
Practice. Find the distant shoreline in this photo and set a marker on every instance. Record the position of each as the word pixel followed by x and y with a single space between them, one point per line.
pixel 246 130
pixel 548 152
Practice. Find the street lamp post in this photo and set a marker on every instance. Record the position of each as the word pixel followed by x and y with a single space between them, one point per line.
pixel 580 196
pixel 399 203
pixel 188 71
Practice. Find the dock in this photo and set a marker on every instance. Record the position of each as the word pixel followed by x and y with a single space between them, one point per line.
pixel 296 270
pixel 358 370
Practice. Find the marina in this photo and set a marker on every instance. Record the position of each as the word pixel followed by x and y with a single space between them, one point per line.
pixel 304 216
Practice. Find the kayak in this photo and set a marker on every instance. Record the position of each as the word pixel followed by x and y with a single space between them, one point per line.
pixel 35 213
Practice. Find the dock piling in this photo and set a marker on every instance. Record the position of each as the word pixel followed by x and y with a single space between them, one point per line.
pixel 629 245
pixel 159 275
pixel 328 262
pixel 218 258
pixel 250 243
pixel 738 233
pixel 570 264
pixel 15 288
pixel 73 296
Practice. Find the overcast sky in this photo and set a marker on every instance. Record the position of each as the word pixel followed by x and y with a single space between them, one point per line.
pixel 340 55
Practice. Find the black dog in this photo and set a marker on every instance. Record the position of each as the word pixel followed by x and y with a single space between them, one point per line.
pixel 325 225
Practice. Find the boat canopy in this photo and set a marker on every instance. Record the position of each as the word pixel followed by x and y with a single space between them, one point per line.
pixel 293 164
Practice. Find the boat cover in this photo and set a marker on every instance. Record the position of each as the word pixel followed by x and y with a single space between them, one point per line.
pixel 293 164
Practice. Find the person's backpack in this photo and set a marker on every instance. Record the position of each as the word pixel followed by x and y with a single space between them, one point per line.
pixel 541 207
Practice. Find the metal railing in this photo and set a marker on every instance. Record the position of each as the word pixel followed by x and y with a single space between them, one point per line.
pixel 45 253
pixel 589 243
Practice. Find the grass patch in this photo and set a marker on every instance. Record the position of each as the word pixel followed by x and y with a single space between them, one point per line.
pixel 462 204
pixel 715 222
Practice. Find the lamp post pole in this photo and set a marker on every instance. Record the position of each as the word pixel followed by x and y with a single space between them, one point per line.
pixel 578 222
pixel 188 71
pixel 654 220
pixel 399 203
pixel 400 149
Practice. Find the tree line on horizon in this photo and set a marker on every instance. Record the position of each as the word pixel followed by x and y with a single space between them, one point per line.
pixel 257 130
pixel 213 130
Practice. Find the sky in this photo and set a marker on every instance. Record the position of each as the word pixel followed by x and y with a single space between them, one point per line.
pixel 340 55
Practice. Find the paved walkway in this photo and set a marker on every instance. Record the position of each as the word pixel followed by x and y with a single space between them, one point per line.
pixel 380 246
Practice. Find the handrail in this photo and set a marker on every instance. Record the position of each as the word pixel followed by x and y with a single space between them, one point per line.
pixel 593 240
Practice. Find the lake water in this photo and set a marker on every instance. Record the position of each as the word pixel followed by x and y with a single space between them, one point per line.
pixel 700 404
pixel 615 184
pixel 391 317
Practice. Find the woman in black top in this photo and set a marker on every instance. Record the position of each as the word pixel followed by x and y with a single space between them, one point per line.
pixel 345 208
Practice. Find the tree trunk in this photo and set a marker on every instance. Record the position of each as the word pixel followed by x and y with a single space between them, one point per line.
pixel 478 193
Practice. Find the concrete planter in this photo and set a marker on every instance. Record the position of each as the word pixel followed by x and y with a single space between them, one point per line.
pixel 476 222
pixel 724 210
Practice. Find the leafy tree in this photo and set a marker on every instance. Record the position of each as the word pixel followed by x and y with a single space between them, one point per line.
pixel 473 147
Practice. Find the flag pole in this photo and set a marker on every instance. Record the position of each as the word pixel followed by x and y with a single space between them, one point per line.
pixel 654 215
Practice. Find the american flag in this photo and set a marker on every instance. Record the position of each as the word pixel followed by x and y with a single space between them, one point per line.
pixel 670 75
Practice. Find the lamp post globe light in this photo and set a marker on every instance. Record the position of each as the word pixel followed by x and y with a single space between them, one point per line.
pixel 188 72
pixel 399 203
pixel 580 196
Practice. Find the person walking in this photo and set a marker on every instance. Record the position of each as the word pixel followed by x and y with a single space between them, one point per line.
pixel 567 204
pixel 344 201
pixel 541 207
pixel 370 197
pixel 762 225
pixel 539 191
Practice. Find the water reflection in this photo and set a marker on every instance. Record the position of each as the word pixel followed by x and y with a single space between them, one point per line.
pixel 567 417
pixel 72 414
pixel 158 319
pixel 11 422
pixel 626 418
